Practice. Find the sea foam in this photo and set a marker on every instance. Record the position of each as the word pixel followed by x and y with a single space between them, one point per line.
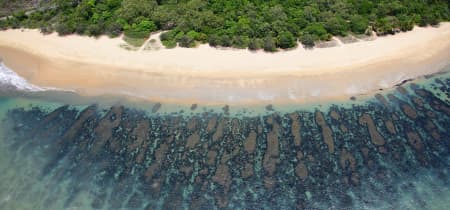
pixel 10 79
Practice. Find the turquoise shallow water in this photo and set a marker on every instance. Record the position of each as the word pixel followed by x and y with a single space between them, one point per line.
pixel 389 151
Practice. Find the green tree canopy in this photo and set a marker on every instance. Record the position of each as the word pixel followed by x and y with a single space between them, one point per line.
pixel 244 23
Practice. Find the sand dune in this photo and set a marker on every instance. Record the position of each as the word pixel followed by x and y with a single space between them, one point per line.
pixel 209 75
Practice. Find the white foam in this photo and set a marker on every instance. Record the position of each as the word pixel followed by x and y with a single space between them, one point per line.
pixel 315 92
pixel 392 80
pixel 9 77
pixel 291 94
pixel 265 96
pixel 353 90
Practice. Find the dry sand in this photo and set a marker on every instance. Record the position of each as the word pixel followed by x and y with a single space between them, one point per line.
pixel 209 75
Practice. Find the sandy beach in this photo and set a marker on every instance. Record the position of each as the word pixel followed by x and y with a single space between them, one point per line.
pixel 100 66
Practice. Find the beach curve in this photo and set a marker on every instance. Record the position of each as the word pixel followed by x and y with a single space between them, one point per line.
pixel 209 75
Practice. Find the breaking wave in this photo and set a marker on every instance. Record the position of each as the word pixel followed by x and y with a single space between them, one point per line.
pixel 10 79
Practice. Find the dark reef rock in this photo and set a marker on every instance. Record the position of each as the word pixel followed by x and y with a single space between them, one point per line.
pixel 295 129
pixel 327 133
pixel 375 136
pixel 301 159
pixel 250 142
pixel 156 107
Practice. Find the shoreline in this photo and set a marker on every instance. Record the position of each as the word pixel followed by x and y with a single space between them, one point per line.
pixel 207 75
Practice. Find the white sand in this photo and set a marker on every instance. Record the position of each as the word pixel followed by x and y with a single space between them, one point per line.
pixel 97 66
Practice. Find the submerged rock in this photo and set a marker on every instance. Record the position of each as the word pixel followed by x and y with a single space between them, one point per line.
pixel 295 129
pixel 327 133
pixel 213 160
pixel 375 136
pixel 156 107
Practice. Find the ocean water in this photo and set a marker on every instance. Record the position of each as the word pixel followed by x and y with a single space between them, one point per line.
pixel 383 151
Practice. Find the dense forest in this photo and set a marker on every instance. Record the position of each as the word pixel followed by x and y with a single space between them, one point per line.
pixel 253 24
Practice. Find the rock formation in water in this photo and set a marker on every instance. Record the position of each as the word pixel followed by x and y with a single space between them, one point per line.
pixel 295 160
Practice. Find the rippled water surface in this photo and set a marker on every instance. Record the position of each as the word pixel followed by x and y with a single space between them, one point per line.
pixel 388 151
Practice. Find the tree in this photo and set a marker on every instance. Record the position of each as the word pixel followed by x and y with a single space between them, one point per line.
pixel 94 30
pixel 240 42
pixel 307 40
pixel 229 23
pixel 225 41
pixel 385 25
pixel 20 16
pixel 193 35
pixel 286 40
pixel 317 30
pixel 141 29
pixel 337 26
pixel 214 40
pixel 255 44
pixel 169 35
pixel 406 23
pixel 169 44
pixel 269 44
pixel 131 9
pixel 358 24
pixel 186 41
pixel 113 29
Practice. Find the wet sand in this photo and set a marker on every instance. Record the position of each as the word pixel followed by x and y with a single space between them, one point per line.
pixel 212 76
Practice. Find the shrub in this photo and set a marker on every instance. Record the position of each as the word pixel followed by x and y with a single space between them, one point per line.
pixel 141 29
pixel 45 30
pixel 337 26
pixel 169 35
pixel 214 40
pixel 286 40
pixel 169 43
pixel 64 29
pixel 186 41
pixel 225 41
pixel 240 42
pixel 114 29
pixel 193 35
pixel 358 24
pixel 308 40
pixel 255 44
pixel 317 30
pixel 269 44
pixel 94 30
pixel 406 23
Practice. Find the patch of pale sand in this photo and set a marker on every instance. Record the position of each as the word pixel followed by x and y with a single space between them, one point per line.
pixel 152 43
pixel 205 74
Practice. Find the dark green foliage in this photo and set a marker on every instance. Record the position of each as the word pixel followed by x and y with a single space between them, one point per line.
pixel 358 24
pixel 405 23
pixel 240 42
pixel 169 35
pixel 269 44
pixel 386 25
pixel 286 40
pixel 186 41
pixel 337 26
pixel 318 31
pixel 169 43
pixel 307 40
pixel 65 29
pixel 226 23
pixel 140 30
pixel 3 24
pixel 225 41
pixel 114 29
pixel 214 40
pixel 255 44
